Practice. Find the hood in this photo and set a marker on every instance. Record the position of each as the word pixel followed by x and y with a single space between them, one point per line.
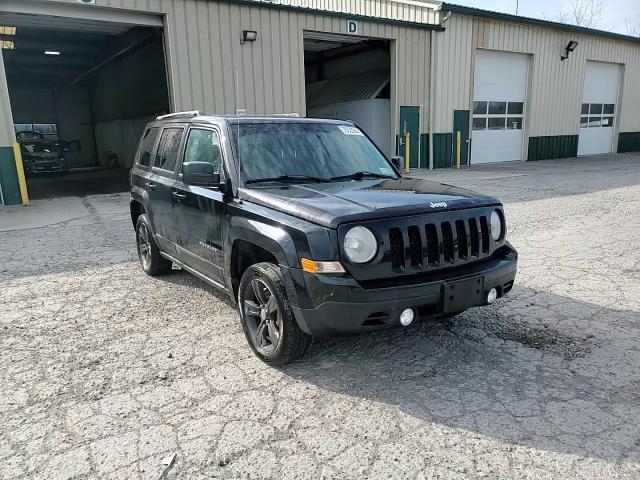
pixel 330 204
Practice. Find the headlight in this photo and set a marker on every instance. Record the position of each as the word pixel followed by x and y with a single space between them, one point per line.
pixel 360 245
pixel 497 225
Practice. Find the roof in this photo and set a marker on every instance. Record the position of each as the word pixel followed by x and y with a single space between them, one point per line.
pixel 477 12
pixel 364 86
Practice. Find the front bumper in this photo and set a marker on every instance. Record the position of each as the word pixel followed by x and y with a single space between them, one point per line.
pixel 339 305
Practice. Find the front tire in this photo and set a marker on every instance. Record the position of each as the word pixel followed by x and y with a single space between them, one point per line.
pixel 267 318
pixel 148 253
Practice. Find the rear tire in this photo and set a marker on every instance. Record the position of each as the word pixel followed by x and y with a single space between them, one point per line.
pixel 148 253
pixel 267 318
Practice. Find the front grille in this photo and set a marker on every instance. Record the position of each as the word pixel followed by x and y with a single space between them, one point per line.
pixel 438 245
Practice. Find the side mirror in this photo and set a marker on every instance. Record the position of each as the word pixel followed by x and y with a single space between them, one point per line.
pixel 398 162
pixel 200 174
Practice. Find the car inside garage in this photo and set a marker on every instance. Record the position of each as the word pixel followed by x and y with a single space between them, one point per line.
pixel 349 78
pixel 81 91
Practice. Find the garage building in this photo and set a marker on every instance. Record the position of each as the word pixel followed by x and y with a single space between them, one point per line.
pixel 435 82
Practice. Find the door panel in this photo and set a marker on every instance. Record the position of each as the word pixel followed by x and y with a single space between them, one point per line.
pixel 461 124
pixel 160 183
pixel 410 122
pixel 200 211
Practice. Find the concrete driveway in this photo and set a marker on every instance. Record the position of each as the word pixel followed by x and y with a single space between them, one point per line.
pixel 105 372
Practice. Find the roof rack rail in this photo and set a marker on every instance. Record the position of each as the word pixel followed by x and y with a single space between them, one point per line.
pixel 286 115
pixel 191 113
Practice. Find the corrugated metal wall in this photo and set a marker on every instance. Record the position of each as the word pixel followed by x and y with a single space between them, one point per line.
pixel 212 71
pixel 6 122
pixel 555 90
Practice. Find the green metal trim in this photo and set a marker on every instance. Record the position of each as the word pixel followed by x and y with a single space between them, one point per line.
pixel 550 147
pixel 9 177
pixel 477 12
pixel 442 150
pixel 629 142
pixel 346 16
pixel 424 150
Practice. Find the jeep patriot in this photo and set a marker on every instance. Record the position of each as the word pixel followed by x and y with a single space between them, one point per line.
pixel 310 229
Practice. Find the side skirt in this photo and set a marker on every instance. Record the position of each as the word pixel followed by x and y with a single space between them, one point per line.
pixel 195 273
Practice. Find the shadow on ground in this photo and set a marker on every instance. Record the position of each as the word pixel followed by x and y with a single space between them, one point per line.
pixel 509 372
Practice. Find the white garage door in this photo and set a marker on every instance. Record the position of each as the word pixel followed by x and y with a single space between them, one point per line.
pixel 499 94
pixel 598 108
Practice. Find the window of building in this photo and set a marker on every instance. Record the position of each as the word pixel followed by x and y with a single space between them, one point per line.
pixel 493 115
pixel 599 115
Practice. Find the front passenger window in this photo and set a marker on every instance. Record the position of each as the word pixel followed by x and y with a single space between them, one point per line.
pixel 204 146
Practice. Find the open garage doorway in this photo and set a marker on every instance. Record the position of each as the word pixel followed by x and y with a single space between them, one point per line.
pixel 349 78
pixel 81 92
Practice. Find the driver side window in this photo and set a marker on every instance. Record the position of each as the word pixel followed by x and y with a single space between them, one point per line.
pixel 204 146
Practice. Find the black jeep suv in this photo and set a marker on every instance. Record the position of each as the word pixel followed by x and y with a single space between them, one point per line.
pixel 310 229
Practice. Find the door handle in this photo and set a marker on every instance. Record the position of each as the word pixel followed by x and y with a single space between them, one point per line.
pixel 150 185
pixel 179 196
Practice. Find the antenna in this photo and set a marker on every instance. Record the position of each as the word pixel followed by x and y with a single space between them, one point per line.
pixel 238 127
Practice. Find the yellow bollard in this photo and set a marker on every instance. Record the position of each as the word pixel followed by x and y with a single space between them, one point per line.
pixel 407 151
pixel 458 149
pixel 22 181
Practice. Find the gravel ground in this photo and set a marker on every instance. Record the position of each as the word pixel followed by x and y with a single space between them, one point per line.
pixel 105 371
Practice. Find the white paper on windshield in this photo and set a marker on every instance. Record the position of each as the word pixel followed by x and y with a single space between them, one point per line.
pixel 350 130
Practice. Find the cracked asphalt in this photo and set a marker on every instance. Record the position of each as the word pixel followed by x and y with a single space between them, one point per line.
pixel 105 372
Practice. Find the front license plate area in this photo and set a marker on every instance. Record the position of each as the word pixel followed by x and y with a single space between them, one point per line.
pixel 463 294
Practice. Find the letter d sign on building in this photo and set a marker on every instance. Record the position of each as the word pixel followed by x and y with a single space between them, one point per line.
pixel 352 26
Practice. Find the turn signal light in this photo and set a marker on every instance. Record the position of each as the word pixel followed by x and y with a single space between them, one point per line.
pixel 312 266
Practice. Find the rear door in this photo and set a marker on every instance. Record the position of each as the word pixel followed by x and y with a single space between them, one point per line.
pixel 199 211
pixel 160 184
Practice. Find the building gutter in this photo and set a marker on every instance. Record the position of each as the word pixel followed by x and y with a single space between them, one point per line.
pixel 330 13
pixel 477 12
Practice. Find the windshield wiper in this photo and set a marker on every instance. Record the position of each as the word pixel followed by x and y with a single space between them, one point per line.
pixel 360 176
pixel 288 179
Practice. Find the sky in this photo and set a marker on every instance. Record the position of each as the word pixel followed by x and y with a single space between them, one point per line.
pixel 615 12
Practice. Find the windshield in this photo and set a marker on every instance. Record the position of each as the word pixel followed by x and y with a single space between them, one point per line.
pixel 320 151
pixel 38 147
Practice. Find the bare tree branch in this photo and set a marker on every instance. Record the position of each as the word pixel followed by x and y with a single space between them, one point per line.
pixel 584 13
pixel 633 27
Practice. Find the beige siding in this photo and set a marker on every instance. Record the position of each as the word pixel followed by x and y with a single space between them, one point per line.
pixel 6 123
pixel 212 71
pixel 555 90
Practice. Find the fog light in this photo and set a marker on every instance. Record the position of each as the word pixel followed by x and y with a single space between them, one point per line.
pixel 492 295
pixel 406 317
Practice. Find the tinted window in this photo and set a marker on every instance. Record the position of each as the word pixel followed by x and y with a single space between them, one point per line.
pixel 146 146
pixel 204 146
pixel 496 123
pixel 314 149
pixel 608 108
pixel 168 149
pixel 479 123
pixel 497 108
pixel 480 108
pixel 515 108
pixel 514 123
pixel 596 108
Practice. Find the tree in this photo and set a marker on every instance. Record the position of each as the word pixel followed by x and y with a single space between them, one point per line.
pixel 633 27
pixel 583 13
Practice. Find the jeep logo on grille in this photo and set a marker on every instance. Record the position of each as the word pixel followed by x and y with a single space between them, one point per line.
pixel 438 204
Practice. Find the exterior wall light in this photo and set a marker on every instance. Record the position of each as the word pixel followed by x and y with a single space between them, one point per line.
pixel 249 36
pixel 571 46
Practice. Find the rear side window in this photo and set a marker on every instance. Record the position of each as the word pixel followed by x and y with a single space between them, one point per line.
pixel 204 146
pixel 168 149
pixel 146 146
